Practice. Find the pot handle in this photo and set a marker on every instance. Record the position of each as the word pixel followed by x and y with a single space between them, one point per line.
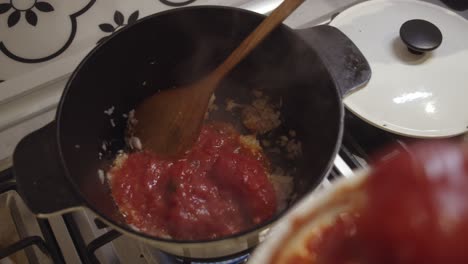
pixel 345 62
pixel 40 176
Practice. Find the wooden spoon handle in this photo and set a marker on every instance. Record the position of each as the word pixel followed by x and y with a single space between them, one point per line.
pixel 268 24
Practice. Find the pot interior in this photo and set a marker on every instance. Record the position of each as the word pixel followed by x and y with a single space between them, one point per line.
pixel 177 47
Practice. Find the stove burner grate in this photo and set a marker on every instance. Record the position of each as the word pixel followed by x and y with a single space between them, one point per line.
pixel 46 243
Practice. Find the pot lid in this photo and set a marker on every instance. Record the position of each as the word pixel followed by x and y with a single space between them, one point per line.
pixel 418 53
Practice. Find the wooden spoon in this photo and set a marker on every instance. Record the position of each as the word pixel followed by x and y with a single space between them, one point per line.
pixel 169 122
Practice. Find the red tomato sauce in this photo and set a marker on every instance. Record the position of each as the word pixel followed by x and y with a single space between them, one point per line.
pixel 218 188
pixel 417 212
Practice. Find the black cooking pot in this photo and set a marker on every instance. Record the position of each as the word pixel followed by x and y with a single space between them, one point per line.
pixel 57 166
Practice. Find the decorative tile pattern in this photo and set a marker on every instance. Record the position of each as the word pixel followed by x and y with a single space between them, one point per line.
pixel 18 33
pixel 119 20
pixel 36 32
pixel 177 3
pixel 29 11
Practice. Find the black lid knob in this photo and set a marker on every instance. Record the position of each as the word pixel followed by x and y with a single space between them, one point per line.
pixel 420 36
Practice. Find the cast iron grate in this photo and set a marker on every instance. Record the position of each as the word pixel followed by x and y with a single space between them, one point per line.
pixel 47 244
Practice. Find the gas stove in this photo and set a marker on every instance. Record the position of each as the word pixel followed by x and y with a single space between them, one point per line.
pixel 80 237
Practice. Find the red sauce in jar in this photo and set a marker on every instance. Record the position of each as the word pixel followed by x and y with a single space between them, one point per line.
pixel 416 212
pixel 218 188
